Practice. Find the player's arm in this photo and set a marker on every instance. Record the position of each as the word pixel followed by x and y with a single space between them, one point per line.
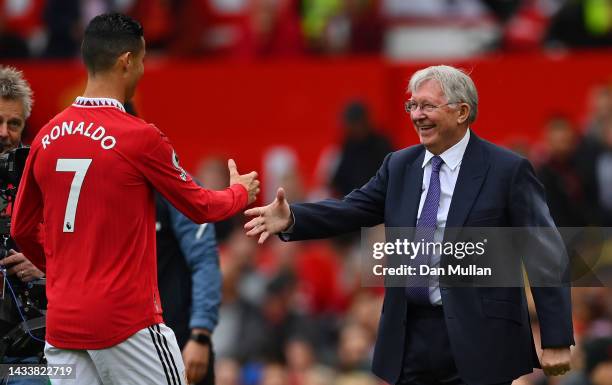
pixel 159 164
pixel 26 221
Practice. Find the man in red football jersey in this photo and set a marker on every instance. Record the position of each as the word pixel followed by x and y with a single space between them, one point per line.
pixel 85 209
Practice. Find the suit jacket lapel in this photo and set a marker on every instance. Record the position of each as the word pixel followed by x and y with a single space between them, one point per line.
pixel 414 186
pixel 474 167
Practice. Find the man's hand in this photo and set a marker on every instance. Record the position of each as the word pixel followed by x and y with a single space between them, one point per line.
pixel 271 219
pixel 556 361
pixel 195 356
pixel 249 181
pixel 20 265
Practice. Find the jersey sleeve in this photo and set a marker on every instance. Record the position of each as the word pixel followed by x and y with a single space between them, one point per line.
pixel 27 216
pixel 159 164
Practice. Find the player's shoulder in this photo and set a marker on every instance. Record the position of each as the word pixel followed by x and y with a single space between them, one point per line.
pixel 140 126
pixel 138 136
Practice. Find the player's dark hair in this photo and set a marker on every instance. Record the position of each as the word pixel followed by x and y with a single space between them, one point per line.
pixel 107 37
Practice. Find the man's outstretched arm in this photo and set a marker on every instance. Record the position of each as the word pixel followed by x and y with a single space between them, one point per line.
pixel 363 207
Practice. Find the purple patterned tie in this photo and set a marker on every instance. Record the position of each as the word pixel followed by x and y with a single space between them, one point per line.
pixel 417 290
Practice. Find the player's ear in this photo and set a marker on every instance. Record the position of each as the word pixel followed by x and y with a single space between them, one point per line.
pixel 124 60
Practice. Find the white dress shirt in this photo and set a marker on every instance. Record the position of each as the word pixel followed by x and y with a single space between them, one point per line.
pixel 448 179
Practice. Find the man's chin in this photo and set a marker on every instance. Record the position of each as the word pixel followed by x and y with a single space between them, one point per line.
pixel 428 140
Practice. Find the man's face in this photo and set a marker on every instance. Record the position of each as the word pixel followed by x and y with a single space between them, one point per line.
pixel 12 121
pixel 439 129
pixel 136 70
pixel 561 138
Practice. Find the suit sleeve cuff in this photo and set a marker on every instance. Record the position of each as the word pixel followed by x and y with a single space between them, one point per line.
pixel 286 235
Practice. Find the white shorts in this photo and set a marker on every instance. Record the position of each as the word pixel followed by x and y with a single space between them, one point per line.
pixel 151 356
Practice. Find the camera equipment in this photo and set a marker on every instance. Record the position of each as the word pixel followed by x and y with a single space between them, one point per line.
pixel 22 314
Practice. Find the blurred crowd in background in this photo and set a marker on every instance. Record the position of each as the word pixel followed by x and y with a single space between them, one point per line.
pixel 296 313
pixel 264 28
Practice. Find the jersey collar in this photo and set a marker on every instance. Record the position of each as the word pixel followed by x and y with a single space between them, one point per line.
pixel 82 101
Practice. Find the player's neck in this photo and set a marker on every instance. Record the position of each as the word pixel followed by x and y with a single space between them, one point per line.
pixel 102 87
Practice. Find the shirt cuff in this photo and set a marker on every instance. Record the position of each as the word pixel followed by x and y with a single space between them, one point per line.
pixel 285 235
pixel 203 323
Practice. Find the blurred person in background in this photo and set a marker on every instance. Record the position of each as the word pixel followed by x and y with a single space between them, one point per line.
pixel 243 291
pixel 594 160
pixel 238 29
pixel 581 24
pixel 320 376
pixel 276 322
pixel 12 46
pixel 591 154
pixel 300 359
pixel 274 374
pixel 596 365
pixel 362 152
pixel 365 310
pixel 603 173
pixel 354 349
pixel 323 28
pixel 281 165
pixel 227 372
pixel 64 27
pixel 561 177
pixel 356 379
pixel 366 26
pixel 273 29
pixel 600 106
pixel 21 28
pixel 343 27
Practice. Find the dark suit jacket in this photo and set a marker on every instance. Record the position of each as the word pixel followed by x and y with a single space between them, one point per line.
pixel 489 328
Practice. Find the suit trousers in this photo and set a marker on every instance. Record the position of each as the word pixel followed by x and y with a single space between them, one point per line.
pixel 428 359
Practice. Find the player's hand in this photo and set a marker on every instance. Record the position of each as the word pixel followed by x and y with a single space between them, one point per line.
pixel 271 219
pixel 249 181
pixel 21 266
pixel 195 357
pixel 556 361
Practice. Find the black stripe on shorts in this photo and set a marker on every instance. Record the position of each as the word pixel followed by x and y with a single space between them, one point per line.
pixel 173 366
pixel 161 359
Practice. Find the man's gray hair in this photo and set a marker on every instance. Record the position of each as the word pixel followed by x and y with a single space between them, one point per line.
pixel 455 83
pixel 13 86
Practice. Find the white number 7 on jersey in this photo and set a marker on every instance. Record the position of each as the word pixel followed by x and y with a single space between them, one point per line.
pixel 79 167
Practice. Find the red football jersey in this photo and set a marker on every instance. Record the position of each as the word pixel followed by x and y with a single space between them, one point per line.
pixel 88 188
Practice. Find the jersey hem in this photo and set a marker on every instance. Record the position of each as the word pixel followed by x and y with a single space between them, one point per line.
pixel 107 343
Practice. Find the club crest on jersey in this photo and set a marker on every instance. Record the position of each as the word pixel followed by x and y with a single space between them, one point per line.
pixel 175 163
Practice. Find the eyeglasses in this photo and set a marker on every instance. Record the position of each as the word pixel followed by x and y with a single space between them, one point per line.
pixel 411 106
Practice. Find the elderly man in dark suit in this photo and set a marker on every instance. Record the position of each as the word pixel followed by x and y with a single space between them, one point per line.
pixel 445 335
